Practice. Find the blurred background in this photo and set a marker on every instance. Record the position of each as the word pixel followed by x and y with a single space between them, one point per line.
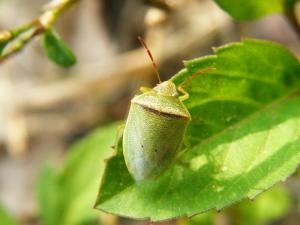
pixel 44 109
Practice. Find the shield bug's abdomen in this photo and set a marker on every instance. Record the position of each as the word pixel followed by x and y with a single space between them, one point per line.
pixel 154 131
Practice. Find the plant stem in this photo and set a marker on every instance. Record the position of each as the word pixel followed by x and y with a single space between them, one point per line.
pixel 21 36
pixel 292 18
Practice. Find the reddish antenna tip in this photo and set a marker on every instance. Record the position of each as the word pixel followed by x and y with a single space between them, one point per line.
pixel 154 66
pixel 141 40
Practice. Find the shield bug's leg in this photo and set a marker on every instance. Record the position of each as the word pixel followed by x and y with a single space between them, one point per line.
pixel 180 88
pixel 185 95
pixel 154 65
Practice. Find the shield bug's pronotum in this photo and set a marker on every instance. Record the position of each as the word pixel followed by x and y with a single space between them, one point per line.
pixel 155 127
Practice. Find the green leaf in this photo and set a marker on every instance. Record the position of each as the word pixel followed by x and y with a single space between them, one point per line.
pixel 57 50
pixel 48 196
pixel 251 9
pixel 266 208
pixel 6 218
pixel 67 198
pixel 244 136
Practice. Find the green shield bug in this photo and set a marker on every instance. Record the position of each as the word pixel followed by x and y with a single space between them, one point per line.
pixel 155 127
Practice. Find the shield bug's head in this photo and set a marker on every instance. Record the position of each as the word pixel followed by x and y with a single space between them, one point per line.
pixel 166 88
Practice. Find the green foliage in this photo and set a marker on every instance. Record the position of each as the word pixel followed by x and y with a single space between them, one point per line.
pixel 270 206
pixel 67 197
pixel 244 136
pixel 6 218
pixel 57 50
pixel 47 195
pixel 253 9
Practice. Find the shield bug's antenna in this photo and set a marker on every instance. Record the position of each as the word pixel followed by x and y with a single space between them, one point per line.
pixel 196 75
pixel 151 57
pixel 180 88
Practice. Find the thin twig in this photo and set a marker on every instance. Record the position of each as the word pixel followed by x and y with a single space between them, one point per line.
pixel 21 36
